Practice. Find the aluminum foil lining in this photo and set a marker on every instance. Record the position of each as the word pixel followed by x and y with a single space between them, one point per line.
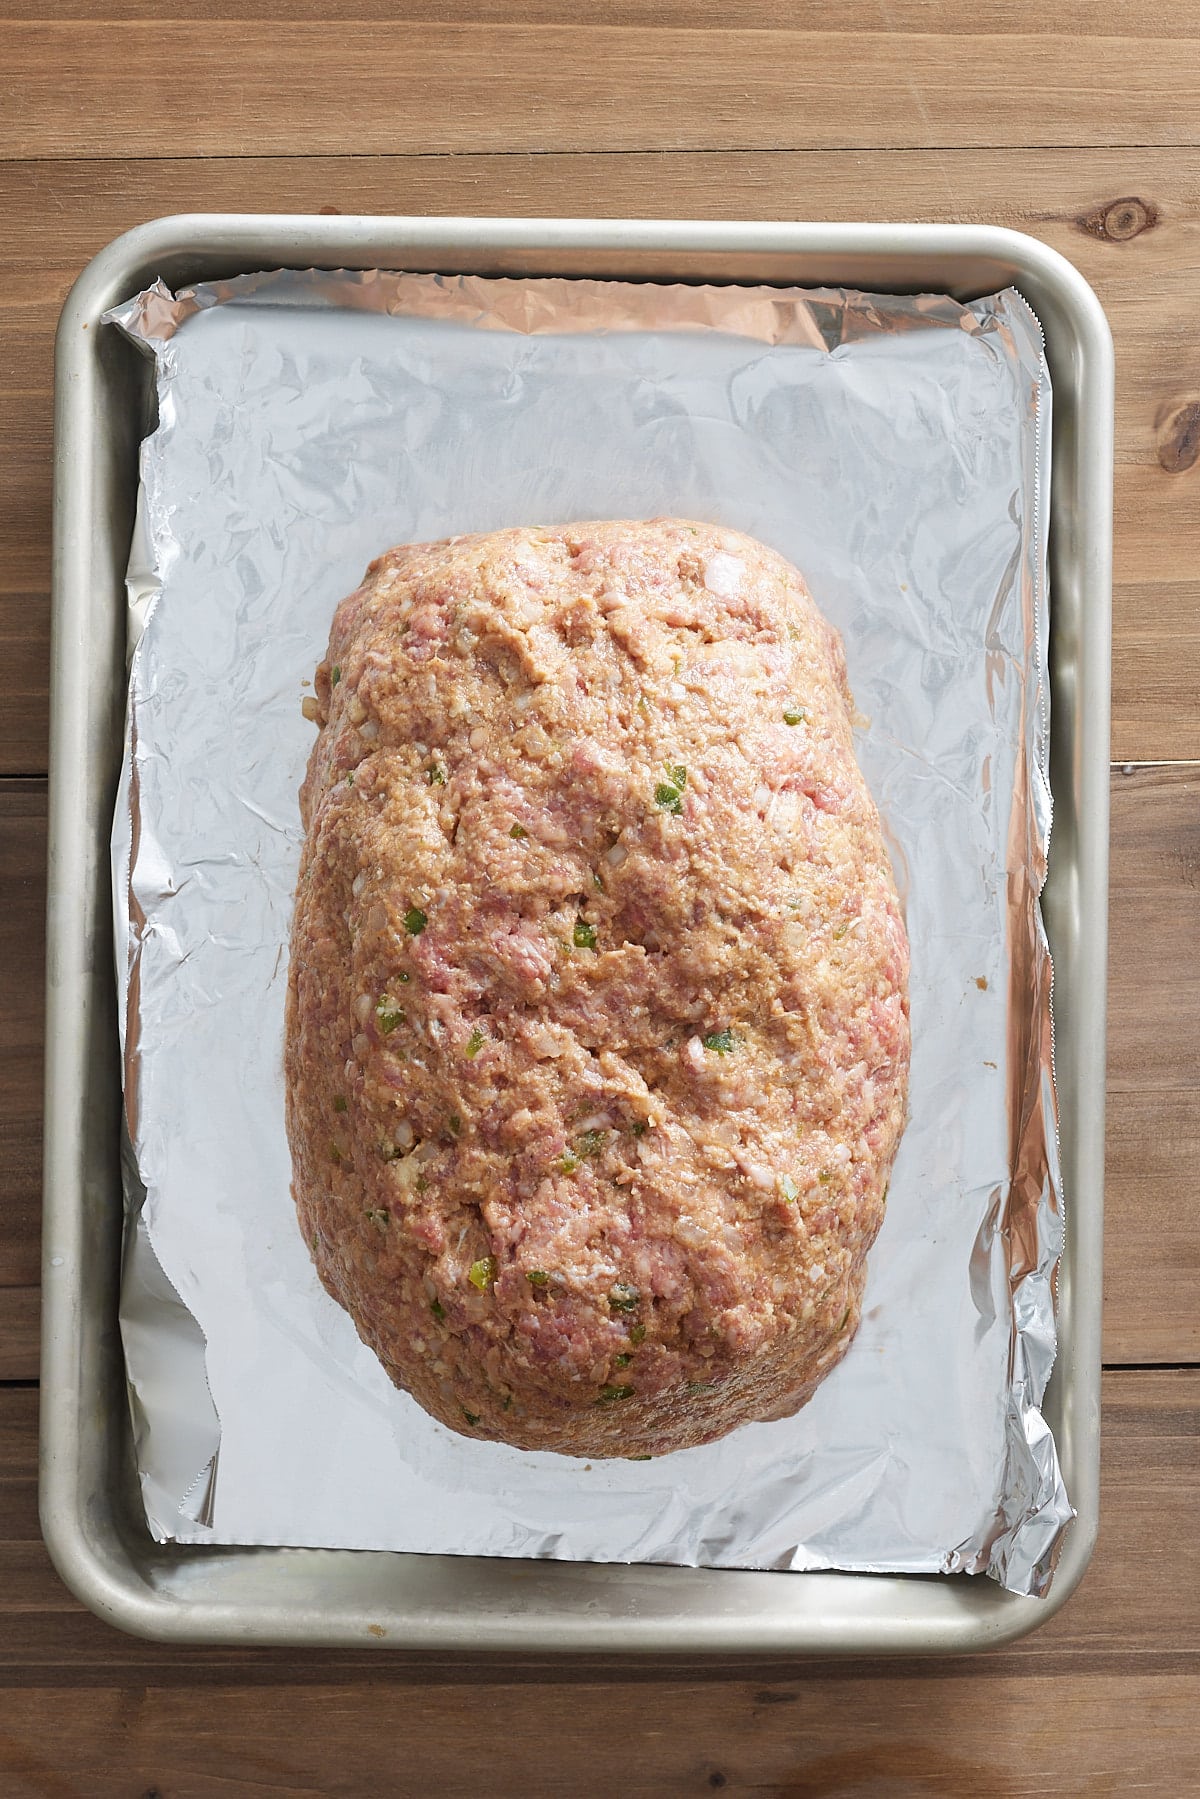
pixel 896 449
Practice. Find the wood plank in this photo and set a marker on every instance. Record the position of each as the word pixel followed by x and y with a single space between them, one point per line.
pixel 25 659
pixel 1154 968
pixel 25 509
pixel 89 88
pixel 22 903
pixel 1073 18
pixel 1156 669
pixel 1152 1232
pixel 829 1735
pixel 20 1332
pixel 1151 1239
pixel 1137 1612
pixel 1079 202
pixel 1150 502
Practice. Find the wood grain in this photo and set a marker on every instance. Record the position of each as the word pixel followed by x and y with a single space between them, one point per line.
pixel 1078 123
pixel 22 900
pixel 1154 967
pixel 20 1333
pixel 25 659
pixel 1151 1241
pixel 1153 1227
pixel 874 1734
pixel 425 86
pixel 1082 203
pixel 1072 18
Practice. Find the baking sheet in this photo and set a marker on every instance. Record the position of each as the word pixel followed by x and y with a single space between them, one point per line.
pixel 896 450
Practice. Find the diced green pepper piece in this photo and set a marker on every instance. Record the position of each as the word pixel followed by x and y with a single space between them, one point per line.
pixel 722 1042
pixel 537 1277
pixel 637 1334
pixel 388 1015
pixel 669 798
pixel 483 1273
pixel 624 1298
pixel 608 1394
pixel 517 831
pixel 475 1042
pixel 415 921
pixel 437 1308
pixel 795 715
pixel 584 934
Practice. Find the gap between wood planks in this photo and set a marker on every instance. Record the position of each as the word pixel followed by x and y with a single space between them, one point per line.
pixel 554 152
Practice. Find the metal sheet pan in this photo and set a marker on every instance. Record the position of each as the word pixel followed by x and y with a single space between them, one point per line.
pixel 90 1508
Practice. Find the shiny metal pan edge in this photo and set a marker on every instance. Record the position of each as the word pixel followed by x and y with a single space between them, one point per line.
pixel 90 1508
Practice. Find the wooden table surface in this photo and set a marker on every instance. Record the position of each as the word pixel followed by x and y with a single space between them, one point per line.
pixel 1079 123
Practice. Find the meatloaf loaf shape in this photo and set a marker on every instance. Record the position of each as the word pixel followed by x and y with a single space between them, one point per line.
pixel 597 1031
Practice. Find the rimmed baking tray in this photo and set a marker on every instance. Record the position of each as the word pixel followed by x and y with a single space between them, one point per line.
pixel 91 1509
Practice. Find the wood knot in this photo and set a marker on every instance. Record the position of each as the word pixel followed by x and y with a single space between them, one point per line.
pixel 1179 436
pixel 1120 220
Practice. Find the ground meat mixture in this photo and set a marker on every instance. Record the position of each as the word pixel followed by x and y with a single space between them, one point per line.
pixel 597 1031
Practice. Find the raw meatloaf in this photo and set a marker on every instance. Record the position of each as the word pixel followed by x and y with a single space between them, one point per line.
pixel 597 1032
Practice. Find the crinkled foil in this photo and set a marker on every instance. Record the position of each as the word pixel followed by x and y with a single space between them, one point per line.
pixel 896 449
